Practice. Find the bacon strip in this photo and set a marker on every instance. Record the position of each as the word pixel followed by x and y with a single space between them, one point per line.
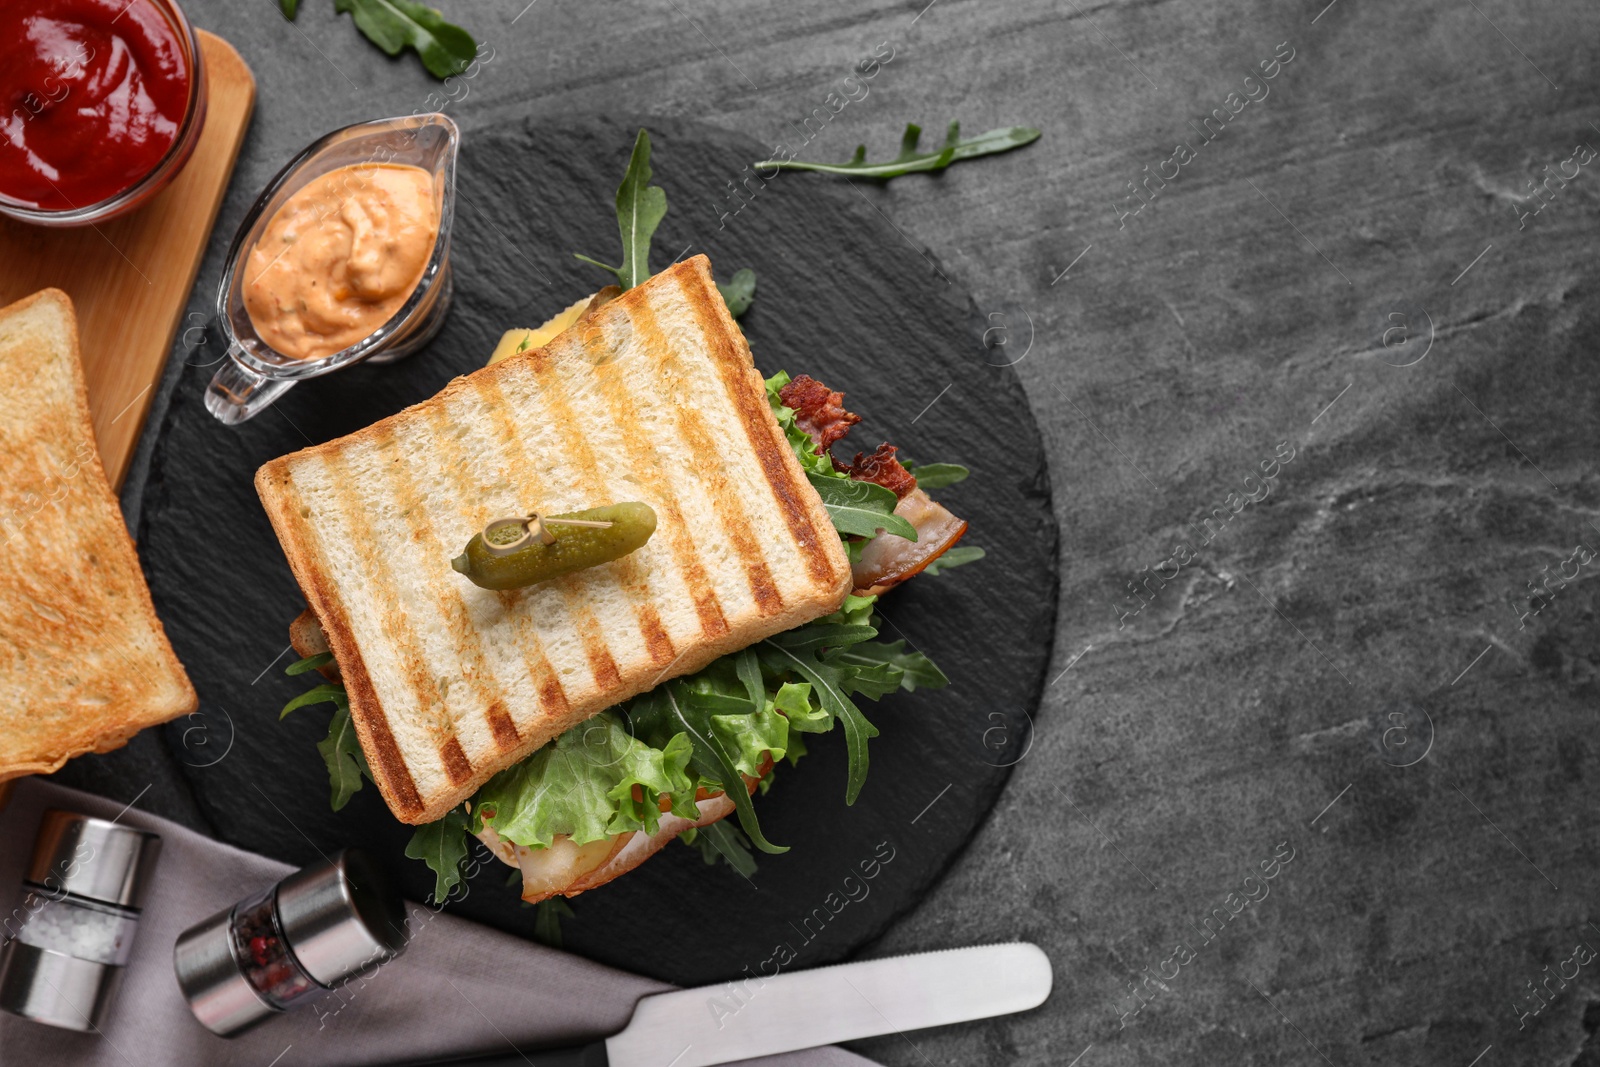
pixel 881 468
pixel 889 559
pixel 818 410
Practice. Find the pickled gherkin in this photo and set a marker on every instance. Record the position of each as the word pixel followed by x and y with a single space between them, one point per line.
pixel 575 548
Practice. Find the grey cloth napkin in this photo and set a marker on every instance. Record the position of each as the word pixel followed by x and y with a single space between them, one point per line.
pixel 459 988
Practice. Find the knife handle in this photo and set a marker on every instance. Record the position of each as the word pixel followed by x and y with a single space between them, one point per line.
pixel 593 1055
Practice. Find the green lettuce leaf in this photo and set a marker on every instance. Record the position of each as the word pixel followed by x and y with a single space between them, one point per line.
pixel 855 611
pixel 442 845
pixel 749 736
pixel 582 785
pixel 688 707
pixel 794 700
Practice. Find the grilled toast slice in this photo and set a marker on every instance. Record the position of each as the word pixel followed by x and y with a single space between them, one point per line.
pixel 653 397
pixel 87 663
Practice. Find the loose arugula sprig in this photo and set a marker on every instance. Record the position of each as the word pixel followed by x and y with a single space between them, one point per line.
pixel 640 209
pixel 393 25
pixel 911 161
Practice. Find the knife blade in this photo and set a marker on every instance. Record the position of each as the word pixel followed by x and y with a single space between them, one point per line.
pixel 766 1015
pixel 804 1009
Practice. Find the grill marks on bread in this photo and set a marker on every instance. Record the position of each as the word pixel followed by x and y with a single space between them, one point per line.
pixel 772 449
pixel 686 400
pixel 383 752
pixel 450 683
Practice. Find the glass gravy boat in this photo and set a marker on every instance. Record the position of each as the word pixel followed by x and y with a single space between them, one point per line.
pixel 254 374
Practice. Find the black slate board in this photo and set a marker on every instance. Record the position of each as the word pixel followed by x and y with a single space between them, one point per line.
pixel 842 296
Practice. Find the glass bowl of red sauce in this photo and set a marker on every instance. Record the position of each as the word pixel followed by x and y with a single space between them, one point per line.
pixel 101 103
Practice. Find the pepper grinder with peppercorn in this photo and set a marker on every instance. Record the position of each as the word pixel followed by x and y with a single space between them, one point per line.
pixel 290 943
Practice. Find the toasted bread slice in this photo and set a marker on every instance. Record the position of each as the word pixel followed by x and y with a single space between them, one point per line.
pixel 87 663
pixel 655 398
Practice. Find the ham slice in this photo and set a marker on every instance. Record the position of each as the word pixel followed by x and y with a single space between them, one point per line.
pixel 565 869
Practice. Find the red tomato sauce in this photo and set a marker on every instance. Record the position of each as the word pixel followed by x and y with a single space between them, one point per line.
pixel 92 96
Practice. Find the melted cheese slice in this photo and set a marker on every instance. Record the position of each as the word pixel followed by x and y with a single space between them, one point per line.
pixel 522 339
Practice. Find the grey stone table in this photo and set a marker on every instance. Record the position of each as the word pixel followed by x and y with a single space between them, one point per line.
pixel 1313 781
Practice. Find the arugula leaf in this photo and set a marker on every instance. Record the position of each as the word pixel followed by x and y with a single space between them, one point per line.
pixel 855 611
pixel 290 8
pixel 955 557
pixel 310 663
pixel 739 292
pixel 723 841
pixel 814 637
pixel 547 921
pixel 748 667
pixel 442 845
pixel 326 693
pixel 392 25
pixel 341 751
pixel 861 508
pixel 640 209
pixel 911 161
pixel 937 475
pixel 831 682
pixel 885 666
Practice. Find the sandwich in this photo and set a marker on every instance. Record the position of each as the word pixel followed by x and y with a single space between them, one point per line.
pixel 577 725
pixel 88 664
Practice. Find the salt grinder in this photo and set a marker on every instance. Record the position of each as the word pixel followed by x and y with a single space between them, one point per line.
pixel 67 944
pixel 290 943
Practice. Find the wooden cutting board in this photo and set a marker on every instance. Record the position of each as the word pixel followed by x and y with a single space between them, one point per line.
pixel 130 278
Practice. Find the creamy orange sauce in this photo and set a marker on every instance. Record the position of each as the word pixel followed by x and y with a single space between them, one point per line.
pixel 340 257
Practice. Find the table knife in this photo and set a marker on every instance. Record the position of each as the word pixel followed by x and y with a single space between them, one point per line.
pixel 764 1016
